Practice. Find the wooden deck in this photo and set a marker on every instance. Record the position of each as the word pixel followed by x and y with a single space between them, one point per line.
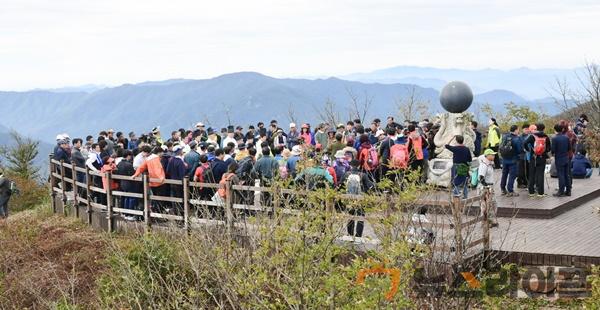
pixel 524 206
pixel 569 239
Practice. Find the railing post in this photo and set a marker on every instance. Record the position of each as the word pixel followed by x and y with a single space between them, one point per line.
pixel 75 193
pixel 147 202
pixel 109 203
pixel 63 185
pixel 88 190
pixel 52 182
pixel 486 225
pixel 457 215
pixel 229 207
pixel 186 205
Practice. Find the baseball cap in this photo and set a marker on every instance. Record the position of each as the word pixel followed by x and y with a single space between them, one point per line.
pixel 292 125
pixel 489 152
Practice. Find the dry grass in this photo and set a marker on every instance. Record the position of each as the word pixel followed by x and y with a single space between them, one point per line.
pixel 45 259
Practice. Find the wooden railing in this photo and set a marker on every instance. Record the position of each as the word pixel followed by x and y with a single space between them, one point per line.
pixel 82 193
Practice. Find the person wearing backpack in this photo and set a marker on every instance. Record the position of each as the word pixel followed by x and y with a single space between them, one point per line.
pixel 5 193
pixel 461 164
pixel 510 148
pixel 561 147
pixel 368 157
pixel 356 183
pixel 416 144
pixel 494 140
pixel 538 146
pixel 341 166
pixel 385 150
pixel 523 157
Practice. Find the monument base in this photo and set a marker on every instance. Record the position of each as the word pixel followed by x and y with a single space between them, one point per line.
pixel 440 172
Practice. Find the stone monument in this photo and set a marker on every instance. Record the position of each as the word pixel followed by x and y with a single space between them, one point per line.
pixel 456 97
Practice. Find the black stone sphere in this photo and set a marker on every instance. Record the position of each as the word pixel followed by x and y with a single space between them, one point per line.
pixel 456 97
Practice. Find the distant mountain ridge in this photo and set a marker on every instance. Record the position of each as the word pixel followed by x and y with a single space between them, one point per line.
pixel 243 97
pixel 528 83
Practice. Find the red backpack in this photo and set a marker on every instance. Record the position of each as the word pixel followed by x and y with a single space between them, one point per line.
pixel 399 156
pixel 539 146
pixel 370 158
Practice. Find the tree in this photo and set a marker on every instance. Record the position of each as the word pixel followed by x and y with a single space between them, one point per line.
pixel 291 112
pixel 328 113
pixel 359 108
pixel 514 114
pixel 412 107
pixel 20 156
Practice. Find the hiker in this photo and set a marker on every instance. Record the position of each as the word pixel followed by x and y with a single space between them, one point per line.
pixel 416 144
pixel 494 137
pixel 314 176
pixel 368 158
pixel 341 165
pixel 125 168
pixel 337 144
pixel 321 136
pixel 293 160
pixel 461 163
pixel 218 166
pixel 485 174
pixel 5 192
pixel 509 149
pixel 293 136
pixel 305 136
pixel 266 168
pixel 582 167
pixel 282 172
pixel 478 139
pixel 523 156
pixel 356 182
pixel 581 124
pixel 79 159
pixel 570 134
pixel 152 164
pixel 560 150
pixel 176 170
pixel 192 159
pixel 538 147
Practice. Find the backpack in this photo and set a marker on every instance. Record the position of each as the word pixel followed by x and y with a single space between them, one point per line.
pixel 462 170
pixel 417 147
pixel 353 184
pixel 244 168
pixel 207 174
pixel 539 146
pixel 340 170
pixel 399 156
pixel 371 158
pixel 506 146
pixel 222 191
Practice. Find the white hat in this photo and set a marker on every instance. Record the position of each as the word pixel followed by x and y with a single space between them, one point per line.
pixel 340 154
pixel 296 150
pixel 60 137
pixel 379 133
pixel 177 148
pixel 199 124
pixel 292 125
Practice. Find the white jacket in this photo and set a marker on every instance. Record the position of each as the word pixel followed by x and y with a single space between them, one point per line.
pixel 486 169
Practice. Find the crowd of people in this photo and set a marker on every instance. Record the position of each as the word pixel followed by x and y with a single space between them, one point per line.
pixel 352 157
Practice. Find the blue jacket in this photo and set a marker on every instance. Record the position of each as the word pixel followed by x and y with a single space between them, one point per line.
pixel 219 168
pixel 580 165
pixel 560 149
pixel 517 145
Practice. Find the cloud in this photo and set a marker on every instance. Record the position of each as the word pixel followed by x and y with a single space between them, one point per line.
pixel 68 42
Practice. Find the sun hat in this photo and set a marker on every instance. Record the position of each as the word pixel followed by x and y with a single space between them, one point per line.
pixel 489 152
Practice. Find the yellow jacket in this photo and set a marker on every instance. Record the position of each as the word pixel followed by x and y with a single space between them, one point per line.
pixel 493 136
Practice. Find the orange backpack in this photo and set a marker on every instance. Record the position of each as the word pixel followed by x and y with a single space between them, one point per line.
pixel 417 147
pixel 399 156
pixel 222 191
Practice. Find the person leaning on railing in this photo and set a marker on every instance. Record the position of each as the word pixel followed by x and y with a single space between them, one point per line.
pixel 155 170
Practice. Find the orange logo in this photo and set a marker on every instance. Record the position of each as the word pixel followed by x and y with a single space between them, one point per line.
pixel 471 280
pixel 394 273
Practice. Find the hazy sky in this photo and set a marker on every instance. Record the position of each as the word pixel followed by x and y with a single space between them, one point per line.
pixel 53 43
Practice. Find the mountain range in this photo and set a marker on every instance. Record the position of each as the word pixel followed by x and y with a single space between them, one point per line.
pixel 527 83
pixel 244 98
